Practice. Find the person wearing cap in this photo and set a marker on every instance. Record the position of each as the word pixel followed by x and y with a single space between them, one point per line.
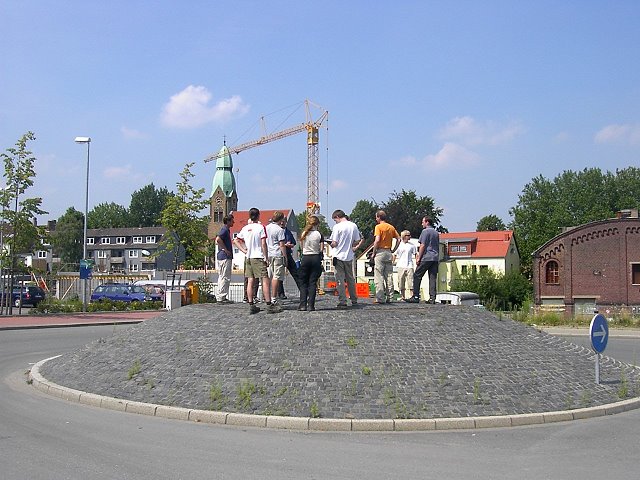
pixel 405 260
pixel 385 244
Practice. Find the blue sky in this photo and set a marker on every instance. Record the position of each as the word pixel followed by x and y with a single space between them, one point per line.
pixel 462 101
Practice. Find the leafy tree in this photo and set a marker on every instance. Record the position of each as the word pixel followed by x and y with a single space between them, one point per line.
pixel 490 223
pixel 68 236
pixel 405 211
pixel 364 216
pixel 545 207
pixel 19 211
pixel 180 217
pixel 108 215
pixel 145 209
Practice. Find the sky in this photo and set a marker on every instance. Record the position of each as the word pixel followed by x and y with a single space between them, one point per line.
pixel 461 101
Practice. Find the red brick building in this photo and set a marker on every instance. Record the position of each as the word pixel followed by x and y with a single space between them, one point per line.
pixel 593 266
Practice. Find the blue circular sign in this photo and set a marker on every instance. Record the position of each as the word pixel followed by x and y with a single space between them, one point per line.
pixel 599 333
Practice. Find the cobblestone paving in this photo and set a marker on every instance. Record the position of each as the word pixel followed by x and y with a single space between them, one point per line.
pixel 387 361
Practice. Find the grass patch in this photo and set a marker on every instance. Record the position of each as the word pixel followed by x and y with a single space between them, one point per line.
pixel 351 342
pixel 135 369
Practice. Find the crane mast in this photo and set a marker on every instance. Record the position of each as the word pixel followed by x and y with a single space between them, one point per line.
pixel 312 128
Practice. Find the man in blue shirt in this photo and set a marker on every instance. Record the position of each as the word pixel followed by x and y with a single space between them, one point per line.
pixel 225 259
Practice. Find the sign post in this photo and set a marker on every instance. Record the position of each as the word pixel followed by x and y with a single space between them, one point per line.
pixel 599 334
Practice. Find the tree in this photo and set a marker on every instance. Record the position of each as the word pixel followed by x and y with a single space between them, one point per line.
pixel 185 228
pixel 546 207
pixel 490 223
pixel 364 216
pixel 405 211
pixel 68 236
pixel 108 215
pixel 145 209
pixel 19 211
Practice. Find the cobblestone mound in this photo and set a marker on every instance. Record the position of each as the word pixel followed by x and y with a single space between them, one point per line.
pixel 370 362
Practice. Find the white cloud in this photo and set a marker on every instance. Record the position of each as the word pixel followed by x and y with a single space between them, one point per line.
pixel 562 137
pixel 625 134
pixel 451 154
pixel 339 185
pixel 132 134
pixel 467 131
pixel 191 108
pixel 123 173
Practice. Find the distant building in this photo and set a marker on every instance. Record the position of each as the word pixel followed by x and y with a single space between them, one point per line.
pixel 130 250
pixel 590 266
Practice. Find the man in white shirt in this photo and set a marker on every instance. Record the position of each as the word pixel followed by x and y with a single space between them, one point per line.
pixel 277 251
pixel 252 241
pixel 345 238
pixel 405 260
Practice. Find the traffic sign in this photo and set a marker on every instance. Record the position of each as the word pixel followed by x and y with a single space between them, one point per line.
pixel 599 333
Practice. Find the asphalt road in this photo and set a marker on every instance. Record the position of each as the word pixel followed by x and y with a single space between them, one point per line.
pixel 46 438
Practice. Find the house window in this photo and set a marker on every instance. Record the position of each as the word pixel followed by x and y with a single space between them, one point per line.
pixel 134 267
pixel 105 240
pixel 121 240
pixel 635 273
pixel 42 254
pixel 137 239
pixel 91 241
pixel 552 273
pixel 455 248
pixel 484 268
pixel 133 253
pixel 218 215
pixel 151 239
pixel 102 254
pixel 464 269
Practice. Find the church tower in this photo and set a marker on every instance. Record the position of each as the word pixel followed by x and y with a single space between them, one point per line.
pixel 223 199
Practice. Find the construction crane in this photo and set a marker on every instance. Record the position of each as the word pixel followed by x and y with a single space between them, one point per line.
pixel 312 127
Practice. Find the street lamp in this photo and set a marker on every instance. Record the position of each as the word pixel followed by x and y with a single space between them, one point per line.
pixel 86 140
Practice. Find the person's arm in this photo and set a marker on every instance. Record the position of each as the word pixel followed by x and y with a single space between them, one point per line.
pixel 283 249
pixel 265 250
pixel 222 246
pixel 239 242
pixel 420 253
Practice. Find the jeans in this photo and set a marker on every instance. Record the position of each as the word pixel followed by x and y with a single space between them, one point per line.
pixel 422 268
pixel 308 275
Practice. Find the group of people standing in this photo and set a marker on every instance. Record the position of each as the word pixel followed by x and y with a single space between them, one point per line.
pixel 268 254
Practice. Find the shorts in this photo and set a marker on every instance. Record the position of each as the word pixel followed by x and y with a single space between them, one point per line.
pixel 255 268
pixel 277 268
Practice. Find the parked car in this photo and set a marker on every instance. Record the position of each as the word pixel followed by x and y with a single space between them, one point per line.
pixel 119 292
pixel 31 296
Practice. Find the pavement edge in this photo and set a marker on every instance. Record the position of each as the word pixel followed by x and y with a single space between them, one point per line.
pixel 321 424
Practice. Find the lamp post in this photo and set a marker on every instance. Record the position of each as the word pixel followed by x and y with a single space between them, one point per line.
pixel 86 140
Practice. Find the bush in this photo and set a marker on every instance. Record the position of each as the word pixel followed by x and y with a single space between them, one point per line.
pixel 53 305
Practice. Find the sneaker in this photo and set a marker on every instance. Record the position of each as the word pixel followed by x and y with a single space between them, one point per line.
pixel 253 309
pixel 214 300
pixel 412 300
pixel 311 309
pixel 430 302
pixel 302 308
pixel 225 301
pixel 282 297
pixel 274 308
pixel 342 306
